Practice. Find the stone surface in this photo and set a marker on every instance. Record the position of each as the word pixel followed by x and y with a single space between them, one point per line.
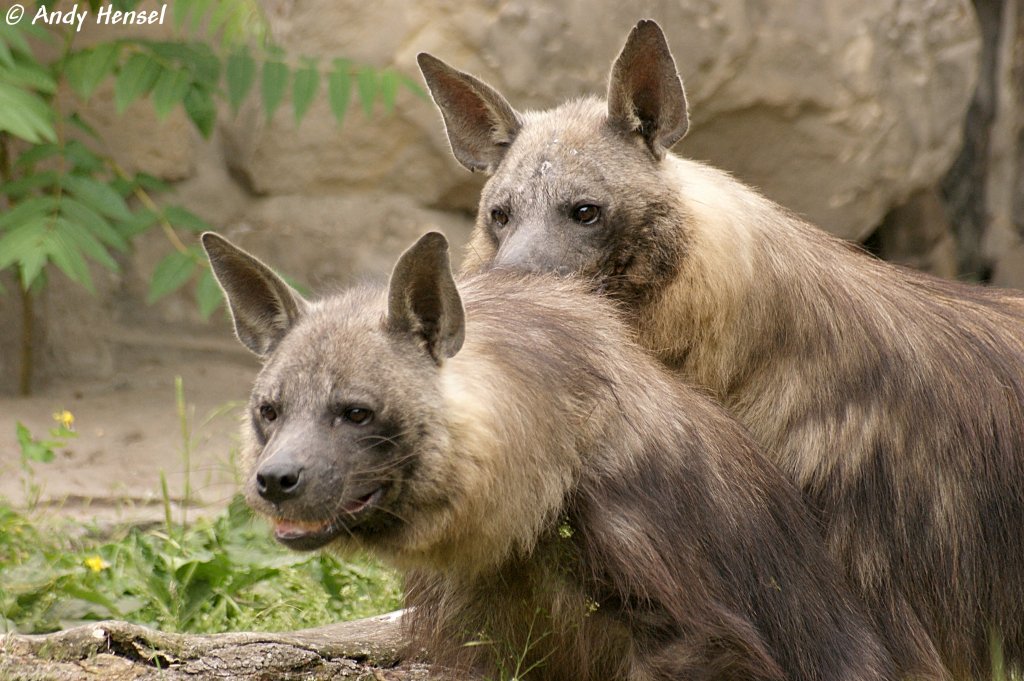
pixel 139 141
pixel 1002 242
pixel 839 110
pixel 330 241
pixel 918 234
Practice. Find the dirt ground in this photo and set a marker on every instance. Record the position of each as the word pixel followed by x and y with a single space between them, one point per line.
pixel 129 433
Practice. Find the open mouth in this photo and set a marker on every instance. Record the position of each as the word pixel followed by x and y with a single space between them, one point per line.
pixel 303 535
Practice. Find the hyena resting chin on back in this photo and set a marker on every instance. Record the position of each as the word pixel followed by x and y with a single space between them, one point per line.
pixel 892 398
pixel 506 445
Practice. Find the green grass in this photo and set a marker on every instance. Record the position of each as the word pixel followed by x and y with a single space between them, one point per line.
pixel 215 575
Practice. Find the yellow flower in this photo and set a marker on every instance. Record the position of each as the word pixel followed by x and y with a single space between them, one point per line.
pixel 65 418
pixel 95 563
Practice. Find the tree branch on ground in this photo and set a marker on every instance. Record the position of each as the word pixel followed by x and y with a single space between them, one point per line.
pixel 370 649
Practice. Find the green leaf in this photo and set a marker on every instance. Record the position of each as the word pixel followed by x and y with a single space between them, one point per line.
pixel 221 12
pixel 29 210
pixel 65 254
pixel 92 596
pixel 81 214
pixel 339 88
pixel 137 78
pixel 199 13
pixel 275 79
pixel 97 195
pixel 23 244
pixel 239 25
pixel 137 224
pixel 240 75
pixel 200 108
pixel 170 90
pixel 205 65
pixel 366 83
pixel 208 293
pixel 388 90
pixel 86 69
pixel 37 284
pixel 150 183
pixel 24 186
pixel 51 239
pixel 31 268
pixel 30 448
pixel 175 51
pixel 24 114
pixel 180 11
pixel 6 57
pixel 82 158
pixel 184 219
pixel 122 185
pixel 85 243
pixel 304 87
pixel 79 123
pixel 36 153
pixel 171 274
pixel 14 39
pixel 29 75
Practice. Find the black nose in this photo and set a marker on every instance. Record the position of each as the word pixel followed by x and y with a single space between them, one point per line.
pixel 279 481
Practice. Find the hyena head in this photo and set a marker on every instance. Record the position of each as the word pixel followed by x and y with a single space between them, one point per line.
pixel 345 441
pixel 578 189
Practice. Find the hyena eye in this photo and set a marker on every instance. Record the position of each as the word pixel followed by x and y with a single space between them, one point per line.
pixel 359 416
pixel 499 217
pixel 268 412
pixel 586 214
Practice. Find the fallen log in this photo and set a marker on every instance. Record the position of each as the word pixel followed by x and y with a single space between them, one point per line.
pixel 362 650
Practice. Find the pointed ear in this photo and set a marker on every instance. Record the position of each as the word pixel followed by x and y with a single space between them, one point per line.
pixel 645 92
pixel 263 307
pixel 423 299
pixel 480 123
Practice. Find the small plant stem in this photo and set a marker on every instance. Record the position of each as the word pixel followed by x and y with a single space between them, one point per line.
pixel 27 312
pixel 186 448
pixel 27 334
pixel 147 202
pixel 166 495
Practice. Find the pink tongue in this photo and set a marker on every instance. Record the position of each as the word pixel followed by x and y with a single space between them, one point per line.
pixel 287 527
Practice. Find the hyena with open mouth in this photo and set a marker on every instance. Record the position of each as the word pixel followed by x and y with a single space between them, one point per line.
pixel 552 493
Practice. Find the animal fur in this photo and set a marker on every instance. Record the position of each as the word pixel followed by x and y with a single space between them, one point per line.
pixel 893 399
pixel 554 496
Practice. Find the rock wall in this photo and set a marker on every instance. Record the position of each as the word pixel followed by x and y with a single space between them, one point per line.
pixel 842 110
pixel 984 190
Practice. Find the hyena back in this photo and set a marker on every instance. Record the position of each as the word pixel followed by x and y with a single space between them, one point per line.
pixel 552 494
pixel 893 399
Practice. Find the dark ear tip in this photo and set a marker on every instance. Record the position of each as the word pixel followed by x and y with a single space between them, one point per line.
pixel 212 240
pixel 434 240
pixel 427 61
pixel 648 29
pixel 648 25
